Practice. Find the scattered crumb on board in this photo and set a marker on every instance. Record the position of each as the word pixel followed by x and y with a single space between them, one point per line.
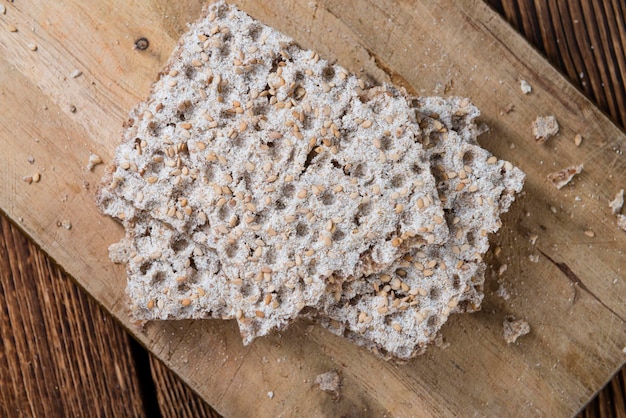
pixel 94 160
pixel 544 127
pixel 562 177
pixel 3 9
pixel 270 394
pixel 76 73
pixel 440 342
pixel 578 139
pixel 503 293
pixel 617 203
pixel 621 222
pixel 526 88
pixel 513 329
pixel 329 382
pixel 65 224
pixel 534 258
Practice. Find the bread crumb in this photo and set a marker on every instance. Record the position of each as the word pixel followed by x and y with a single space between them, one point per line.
pixel 534 258
pixel 618 202
pixel 562 177
pixel 544 127
pixel 503 293
pixel 513 329
pixel 526 88
pixel 270 394
pixel 94 160
pixel 440 342
pixel 65 224
pixel 578 139
pixel 502 269
pixel 533 239
pixel 27 179
pixel 621 222
pixel 590 233
pixel 31 159
pixel 11 28
pixel 32 47
pixel 76 73
pixel 329 382
pixel 3 9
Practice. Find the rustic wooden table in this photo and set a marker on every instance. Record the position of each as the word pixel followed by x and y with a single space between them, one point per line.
pixel 63 355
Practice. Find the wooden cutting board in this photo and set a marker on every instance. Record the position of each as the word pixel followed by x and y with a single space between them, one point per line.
pixel 574 297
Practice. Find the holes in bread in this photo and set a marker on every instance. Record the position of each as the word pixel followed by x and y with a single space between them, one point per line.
pixel 397 181
pixel 432 321
pixel 468 158
pixel 309 159
pixel 254 31
pixel 279 205
pixel 335 163
pixel 157 278
pixel 144 267
pixel 288 190
pixel 327 198
pixel 270 257
pixel 328 73
pixel 179 244
pixel 223 213
pixel 231 250
pixel 302 230
pixel 360 170
pixel 434 293
pixel 338 235
pixel 363 210
pixel 415 168
pixel 456 281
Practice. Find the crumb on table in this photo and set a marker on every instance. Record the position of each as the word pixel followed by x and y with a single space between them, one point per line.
pixel 544 127
pixel 513 329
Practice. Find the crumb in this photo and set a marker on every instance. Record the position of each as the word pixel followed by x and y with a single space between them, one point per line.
pixel 562 177
pixel 440 342
pixel 76 73
pixel 36 177
pixel 270 394
pixel 621 222
pixel 12 28
pixel 27 179
pixel 65 224
pixel 3 10
pixel 31 159
pixel 94 160
pixel 503 293
pixel 590 233
pixel 533 239
pixel 545 128
pixel 32 47
pixel 526 88
pixel 329 382
pixel 72 108
pixel 508 109
pixel 617 203
pixel 513 329
pixel 534 258
pixel 85 185
pixel 578 139
pixel 502 269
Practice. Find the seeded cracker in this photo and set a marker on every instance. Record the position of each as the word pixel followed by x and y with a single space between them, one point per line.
pixel 397 313
pixel 259 180
pixel 278 164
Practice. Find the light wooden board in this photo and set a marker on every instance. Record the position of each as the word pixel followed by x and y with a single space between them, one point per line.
pixel 445 47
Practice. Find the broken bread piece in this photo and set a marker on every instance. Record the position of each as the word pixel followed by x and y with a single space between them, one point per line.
pixel 280 167
pixel 397 313
pixel 261 183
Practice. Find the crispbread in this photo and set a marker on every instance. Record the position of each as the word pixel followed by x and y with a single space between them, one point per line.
pixel 275 161
pixel 260 182
pixel 397 313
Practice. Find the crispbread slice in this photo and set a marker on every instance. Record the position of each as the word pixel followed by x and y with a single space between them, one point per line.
pixel 397 313
pixel 274 157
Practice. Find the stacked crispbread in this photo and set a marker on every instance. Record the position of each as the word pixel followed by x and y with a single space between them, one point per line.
pixel 260 182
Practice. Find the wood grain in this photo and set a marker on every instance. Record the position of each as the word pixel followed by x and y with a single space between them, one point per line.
pixel 584 39
pixel 60 353
pixel 576 342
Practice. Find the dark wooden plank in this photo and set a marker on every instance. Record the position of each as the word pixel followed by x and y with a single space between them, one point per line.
pixel 175 398
pixel 60 353
pixel 586 40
